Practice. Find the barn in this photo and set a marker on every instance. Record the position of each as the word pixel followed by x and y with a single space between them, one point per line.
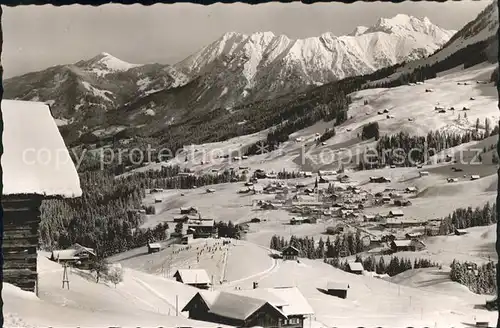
pixel 356 267
pixel 153 248
pixel 337 289
pixel 36 166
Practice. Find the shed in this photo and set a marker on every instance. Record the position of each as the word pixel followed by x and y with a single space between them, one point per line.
pixel 474 177
pixel 290 253
pixel 153 248
pixel 337 289
pixel 36 165
pixel 396 213
pixel 460 232
pixel 356 267
pixel 193 277
pixel 423 173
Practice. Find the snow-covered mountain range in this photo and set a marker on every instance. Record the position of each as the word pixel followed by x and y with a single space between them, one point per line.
pixel 233 70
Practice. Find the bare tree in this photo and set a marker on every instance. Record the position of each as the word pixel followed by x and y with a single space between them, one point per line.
pixel 115 275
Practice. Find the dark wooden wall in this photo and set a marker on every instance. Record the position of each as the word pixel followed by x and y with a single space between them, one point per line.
pixel 21 217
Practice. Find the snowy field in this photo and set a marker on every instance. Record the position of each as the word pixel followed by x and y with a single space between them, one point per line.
pixel 373 300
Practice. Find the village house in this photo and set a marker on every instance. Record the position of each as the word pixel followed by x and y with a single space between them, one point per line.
pixel 233 310
pixel 297 221
pixel 290 253
pixel 337 289
pixel 185 218
pixel 189 210
pixel 396 213
pixel 289 300
pixel 379 179
pixel 344 178
pixel 474 177
pixel 423 173
pixel 326 173
pixel 410 190
pixel 407 245
pixel 193 277
pixel 76 255
pixel 203 228
pixel 26 182
pixel 153 248
pixel 356 268
pixel 460 232
pixel 187 239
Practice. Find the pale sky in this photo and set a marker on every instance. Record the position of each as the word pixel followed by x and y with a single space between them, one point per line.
pixel 37 37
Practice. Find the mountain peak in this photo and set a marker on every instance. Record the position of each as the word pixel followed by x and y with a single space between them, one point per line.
pixel 105 63
pixel 358 31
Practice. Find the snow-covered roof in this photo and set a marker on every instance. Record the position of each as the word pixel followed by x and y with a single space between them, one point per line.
pixel 396 212
pixel 233 305
pixel 154 245
pixel 35 158
pixel 336 285
pixel 297 303
pixel 402 243
pixel 201 223
pixel 355 266
pixel 193 276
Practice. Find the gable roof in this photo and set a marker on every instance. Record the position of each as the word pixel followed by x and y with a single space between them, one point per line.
pixel 193 276
pixel 337 285
pixel 233 305
pixel 35 158
pixel 356 266
pixel 290 247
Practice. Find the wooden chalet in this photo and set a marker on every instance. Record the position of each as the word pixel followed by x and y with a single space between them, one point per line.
pixel 407 245
pixel 267 307
pixel 193 277
pixel 28 178
pixel 233 310
pixel 76 255
pixel 288 300
pixel 203 228
pixel 337 289
pixel 290 253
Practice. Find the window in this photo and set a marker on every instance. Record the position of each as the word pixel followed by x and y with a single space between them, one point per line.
pixel 293 321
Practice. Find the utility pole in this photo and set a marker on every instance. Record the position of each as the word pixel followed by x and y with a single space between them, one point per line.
pixel 65 278
pixel 176 305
